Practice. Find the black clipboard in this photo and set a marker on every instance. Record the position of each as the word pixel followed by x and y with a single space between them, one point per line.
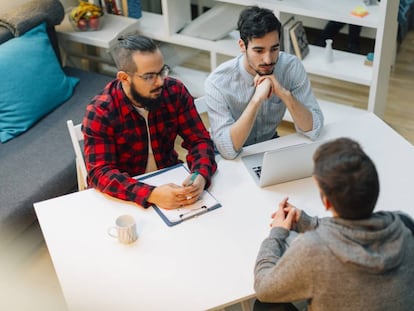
pixel 176 174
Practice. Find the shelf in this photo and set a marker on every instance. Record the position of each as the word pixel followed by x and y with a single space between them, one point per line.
pixel 192 79
pixel 346 66
pixel 380 23
pixel 113 26
pixel 331 10
pixel 151 25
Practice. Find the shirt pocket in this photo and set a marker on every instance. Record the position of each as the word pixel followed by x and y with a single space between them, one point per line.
pixel 131 144
pixel 167 131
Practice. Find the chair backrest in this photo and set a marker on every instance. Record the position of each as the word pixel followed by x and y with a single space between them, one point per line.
pixel 76 137
pixel 200 103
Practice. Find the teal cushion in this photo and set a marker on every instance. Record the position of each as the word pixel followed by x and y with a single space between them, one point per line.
pixel 32 82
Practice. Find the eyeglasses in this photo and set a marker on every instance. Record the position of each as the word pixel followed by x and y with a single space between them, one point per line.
pixel 150 77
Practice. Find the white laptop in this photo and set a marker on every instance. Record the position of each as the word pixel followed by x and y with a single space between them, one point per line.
pixel 281 165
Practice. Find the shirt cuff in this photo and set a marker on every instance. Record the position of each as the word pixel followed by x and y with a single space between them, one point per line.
pixel 225 147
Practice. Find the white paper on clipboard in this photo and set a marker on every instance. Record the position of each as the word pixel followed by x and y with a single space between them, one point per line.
pixel 176 174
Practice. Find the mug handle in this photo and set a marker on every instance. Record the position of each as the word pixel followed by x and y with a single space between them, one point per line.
pixel 111 232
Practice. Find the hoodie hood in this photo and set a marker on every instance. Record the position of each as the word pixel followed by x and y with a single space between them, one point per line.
pixel 376 244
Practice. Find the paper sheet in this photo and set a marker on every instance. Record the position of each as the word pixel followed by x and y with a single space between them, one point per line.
pixel 177 174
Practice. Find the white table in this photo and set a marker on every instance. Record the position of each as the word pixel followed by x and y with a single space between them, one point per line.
pixel 206 262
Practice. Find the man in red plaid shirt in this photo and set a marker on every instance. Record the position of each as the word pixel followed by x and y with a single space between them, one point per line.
pixel 131 126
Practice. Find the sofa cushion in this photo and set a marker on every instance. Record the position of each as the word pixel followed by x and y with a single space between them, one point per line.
pixel 32 82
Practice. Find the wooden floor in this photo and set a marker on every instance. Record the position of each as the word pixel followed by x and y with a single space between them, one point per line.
pixel 399 111
pixel 28 280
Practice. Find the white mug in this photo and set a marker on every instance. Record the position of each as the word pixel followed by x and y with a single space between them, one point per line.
pixel 125 230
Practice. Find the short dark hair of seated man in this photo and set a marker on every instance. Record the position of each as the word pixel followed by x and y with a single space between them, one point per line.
pixel 347 177
pixel 255 22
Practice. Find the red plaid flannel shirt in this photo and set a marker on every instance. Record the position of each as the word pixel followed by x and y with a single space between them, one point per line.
pixel 116 140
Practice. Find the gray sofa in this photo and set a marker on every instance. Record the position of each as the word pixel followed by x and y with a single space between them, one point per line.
pixel 40 163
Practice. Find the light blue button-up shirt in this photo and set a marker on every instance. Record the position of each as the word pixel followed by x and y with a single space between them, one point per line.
pixel 229 89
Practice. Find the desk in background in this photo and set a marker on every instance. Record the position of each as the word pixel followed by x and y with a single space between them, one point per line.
pixel 206 262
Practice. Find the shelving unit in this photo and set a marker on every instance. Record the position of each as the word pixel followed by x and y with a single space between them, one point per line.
pixel 154 26
pixel 176 14
pixel 382 20
pixel 95 46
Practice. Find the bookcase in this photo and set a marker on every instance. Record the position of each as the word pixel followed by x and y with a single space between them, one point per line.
pixel 381 21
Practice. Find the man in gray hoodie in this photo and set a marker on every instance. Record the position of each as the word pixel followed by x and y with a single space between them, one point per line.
pixel 355 260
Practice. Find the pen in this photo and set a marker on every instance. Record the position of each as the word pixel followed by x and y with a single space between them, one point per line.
pixel 192 179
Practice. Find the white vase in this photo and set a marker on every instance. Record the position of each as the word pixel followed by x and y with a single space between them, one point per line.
pixel 328 51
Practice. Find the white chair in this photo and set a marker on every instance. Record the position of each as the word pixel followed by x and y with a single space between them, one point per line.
pixel 200 103
pixel 76 136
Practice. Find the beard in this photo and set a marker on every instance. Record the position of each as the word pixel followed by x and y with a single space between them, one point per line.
pixel 258 67
pixel 266 73
pixel 148 103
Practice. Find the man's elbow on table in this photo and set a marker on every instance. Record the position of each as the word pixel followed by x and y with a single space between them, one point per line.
pixel 262 292
pixel 228 154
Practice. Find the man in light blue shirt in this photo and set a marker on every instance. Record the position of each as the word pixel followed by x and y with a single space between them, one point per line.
pixel 247 96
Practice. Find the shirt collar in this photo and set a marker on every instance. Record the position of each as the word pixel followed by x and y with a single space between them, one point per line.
pixel 247 77
pixel 128 106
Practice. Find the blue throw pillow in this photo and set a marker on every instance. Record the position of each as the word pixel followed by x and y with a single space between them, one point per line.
pixel 32 82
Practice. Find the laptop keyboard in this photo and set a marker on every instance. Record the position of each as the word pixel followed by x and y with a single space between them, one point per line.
pixel 257 170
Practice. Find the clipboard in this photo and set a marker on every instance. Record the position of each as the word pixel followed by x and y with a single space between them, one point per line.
pixel 176 174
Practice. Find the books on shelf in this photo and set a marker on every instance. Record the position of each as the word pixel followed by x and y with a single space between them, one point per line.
pixel 111 7
pixel 299 40
pixel 129 8
pixel 293 38
pixel 285 42
pixel 134 8
pixel 124 4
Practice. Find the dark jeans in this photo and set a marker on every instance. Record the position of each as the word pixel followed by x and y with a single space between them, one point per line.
pixel 332 28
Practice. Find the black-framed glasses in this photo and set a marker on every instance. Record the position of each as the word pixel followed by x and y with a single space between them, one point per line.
pixel 150 77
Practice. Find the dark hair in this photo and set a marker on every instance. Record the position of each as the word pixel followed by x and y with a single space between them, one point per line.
pixel 255 22
pixel 127 45
pixel 347 177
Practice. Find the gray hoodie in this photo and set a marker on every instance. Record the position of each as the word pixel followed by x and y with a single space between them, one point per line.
pixel 340 264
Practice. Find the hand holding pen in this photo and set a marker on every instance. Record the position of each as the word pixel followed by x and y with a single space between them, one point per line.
pixel 171 196
pixel 192 179
pixel 193 186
